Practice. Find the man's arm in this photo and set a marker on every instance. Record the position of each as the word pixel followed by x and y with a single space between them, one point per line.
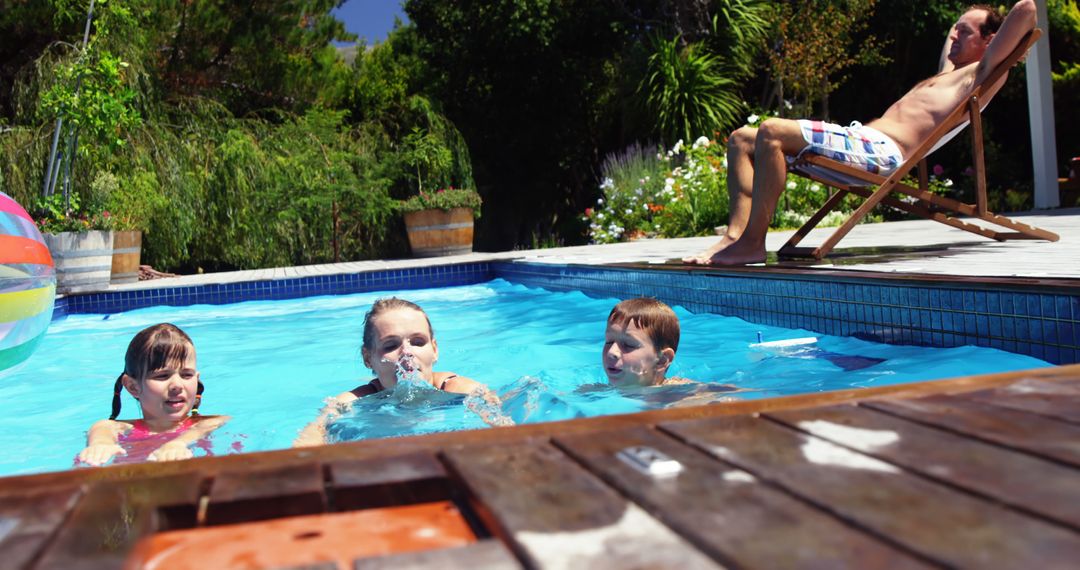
pixel 1019 21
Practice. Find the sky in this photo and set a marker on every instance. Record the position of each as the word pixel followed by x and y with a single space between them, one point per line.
pixel 370 19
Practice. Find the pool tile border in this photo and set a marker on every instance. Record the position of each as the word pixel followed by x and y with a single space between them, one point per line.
pixel 275 289
pixel 1043 322
pixel 1011 315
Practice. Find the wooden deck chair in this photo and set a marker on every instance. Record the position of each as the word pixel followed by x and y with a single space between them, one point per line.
pixel 847 179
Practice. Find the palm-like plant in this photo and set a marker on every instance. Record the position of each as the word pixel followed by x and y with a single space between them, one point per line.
pixel 688 92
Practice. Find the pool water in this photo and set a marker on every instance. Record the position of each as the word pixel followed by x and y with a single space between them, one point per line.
pixel 271 365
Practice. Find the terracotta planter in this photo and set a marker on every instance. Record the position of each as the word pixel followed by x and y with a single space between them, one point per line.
pixel 83 260
pixel 440 232
pixel 127 247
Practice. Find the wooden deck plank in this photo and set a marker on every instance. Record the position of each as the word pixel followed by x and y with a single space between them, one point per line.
pixel 729 513
pixel 244 496
pixel 399 480
pixel 1044 488
pixel 111 517
pixel 1052 399
pixel 27 522
pixel 1053 439
pixel 486 554
pixel 555 514
pixel 939 522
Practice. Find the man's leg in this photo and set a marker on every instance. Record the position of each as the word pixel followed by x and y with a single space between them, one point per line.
pixel 775 139
pixel 740 185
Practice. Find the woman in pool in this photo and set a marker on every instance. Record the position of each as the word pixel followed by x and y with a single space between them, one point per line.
pixel 159 372
pixel 398 339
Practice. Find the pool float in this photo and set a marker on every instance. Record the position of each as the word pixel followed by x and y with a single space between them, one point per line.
pixel 27 284
pixel 806 347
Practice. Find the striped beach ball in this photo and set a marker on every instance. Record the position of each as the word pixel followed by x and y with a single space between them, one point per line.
pixel 27 284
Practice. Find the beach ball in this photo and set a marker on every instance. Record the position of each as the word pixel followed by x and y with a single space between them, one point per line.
pixel 27 284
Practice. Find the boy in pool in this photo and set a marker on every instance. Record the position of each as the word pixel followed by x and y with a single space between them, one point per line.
pixel 160 372
pixel 640 342
pixel 639 346
pixel 398 338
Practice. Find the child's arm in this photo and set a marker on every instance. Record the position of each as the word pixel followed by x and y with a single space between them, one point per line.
pixel 480 399
pixel 178 448
pixel 101 442
pixel 315 432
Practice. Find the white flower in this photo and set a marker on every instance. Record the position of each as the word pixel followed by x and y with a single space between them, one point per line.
pixel 815 187
pixel 947 182
pixel 752 119
pixel 607 184
pixel 791 185
pixel 599 201
pixel 629 211
pixel 678 147
pixel 701 141
pixel 645 207
pixel 599 215
pixel 639 191
pixel 724 162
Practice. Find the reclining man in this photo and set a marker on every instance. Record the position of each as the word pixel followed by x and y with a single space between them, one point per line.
pixel 757 168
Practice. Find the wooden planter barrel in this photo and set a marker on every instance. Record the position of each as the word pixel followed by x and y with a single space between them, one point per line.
pixel 83 260
pixel 440 232
pixel 127 247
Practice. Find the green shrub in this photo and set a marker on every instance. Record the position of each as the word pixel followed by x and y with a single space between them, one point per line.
pixel 443 199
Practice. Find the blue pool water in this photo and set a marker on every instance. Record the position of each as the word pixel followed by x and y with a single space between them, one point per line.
pixel 271 364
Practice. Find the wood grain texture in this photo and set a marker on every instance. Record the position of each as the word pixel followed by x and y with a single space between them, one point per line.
pixel 728 512
pixel 555 514
pixel 1024 482
pixel 938 522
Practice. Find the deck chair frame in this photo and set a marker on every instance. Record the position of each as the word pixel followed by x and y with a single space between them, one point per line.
pixel 925 204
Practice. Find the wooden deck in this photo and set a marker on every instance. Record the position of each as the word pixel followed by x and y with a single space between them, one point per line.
pixel 969 472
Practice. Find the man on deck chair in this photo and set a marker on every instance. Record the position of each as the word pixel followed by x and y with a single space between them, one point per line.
pixel 757 166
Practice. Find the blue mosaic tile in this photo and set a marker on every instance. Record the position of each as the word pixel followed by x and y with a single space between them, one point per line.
pixel 1032 306
pixel 1050 331
pixel 1052 354
pixel 980 301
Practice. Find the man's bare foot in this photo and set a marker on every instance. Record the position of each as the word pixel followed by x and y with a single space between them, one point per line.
pixel 704 257
pixel 738 253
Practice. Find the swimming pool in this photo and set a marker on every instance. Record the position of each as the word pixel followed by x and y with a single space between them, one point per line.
pixel 270 364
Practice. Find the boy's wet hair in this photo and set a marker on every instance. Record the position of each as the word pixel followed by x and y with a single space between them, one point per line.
pixel 652 316
pixel 154 348
pixel 381 306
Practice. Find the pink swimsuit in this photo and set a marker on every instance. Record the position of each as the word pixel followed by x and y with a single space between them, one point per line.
pixel 140 442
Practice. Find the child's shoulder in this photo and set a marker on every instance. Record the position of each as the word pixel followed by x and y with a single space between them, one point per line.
pixel 209 421
pixel 456 383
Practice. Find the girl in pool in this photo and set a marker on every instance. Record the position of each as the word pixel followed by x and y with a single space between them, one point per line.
pixel 398 339
pixel 159 372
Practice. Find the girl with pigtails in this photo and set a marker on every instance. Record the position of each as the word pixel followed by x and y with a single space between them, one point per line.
pixel 159 372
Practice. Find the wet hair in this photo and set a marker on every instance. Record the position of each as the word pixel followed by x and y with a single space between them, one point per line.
pixel 381 306
pixel 152 349
pixel 652 316
pixel 993 19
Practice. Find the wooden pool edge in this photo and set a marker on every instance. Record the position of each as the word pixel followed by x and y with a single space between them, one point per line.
pixel 386 447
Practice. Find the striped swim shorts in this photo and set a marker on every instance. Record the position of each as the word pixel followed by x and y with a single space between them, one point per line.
pixel 856 145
